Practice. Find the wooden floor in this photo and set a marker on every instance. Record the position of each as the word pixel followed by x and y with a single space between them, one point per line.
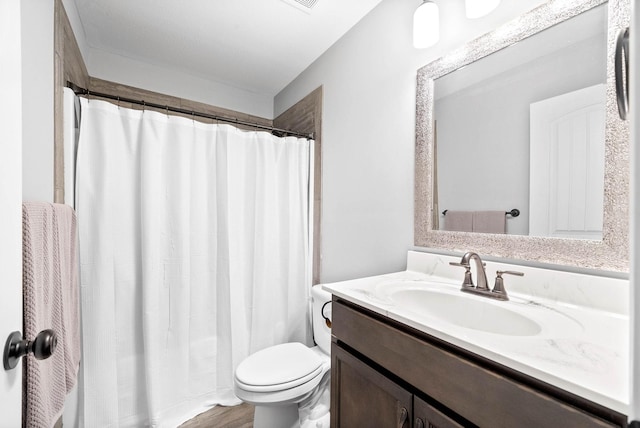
pixel 224 417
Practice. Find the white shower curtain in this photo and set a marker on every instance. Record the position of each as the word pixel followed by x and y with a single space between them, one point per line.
pixel 194 243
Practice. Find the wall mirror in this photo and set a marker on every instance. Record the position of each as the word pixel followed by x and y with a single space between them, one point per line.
pixel 525 118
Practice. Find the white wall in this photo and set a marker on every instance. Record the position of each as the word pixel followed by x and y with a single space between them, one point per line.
pixel 117 68
pixel 37 100
pixel 368 80
pixel 10 201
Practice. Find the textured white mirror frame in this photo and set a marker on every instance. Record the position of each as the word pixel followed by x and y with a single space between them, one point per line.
pixel 612 252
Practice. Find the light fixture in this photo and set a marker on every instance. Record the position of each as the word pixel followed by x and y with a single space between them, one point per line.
pixel 426 25
pixel 479 8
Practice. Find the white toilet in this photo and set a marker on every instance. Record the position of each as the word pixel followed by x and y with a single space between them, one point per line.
pixel 283 379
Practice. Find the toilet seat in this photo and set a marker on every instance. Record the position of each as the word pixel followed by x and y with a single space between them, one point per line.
pixel 278 388
pixel 278 367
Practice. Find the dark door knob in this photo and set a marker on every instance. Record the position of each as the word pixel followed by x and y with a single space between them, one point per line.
pixel 42 347
pixel 44 344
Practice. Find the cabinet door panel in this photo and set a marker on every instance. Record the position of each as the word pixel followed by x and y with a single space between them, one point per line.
pixel 363 397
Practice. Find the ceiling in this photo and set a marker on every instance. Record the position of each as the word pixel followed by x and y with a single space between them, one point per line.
pixel 256 45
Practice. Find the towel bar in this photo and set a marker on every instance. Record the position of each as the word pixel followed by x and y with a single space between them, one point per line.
pixel 513 213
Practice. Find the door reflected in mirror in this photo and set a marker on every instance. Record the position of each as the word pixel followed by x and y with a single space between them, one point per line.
pixel 524 128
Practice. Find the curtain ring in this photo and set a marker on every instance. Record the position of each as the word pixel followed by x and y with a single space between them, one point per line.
pixel 167 110
pixel 144 105
pixel 118 102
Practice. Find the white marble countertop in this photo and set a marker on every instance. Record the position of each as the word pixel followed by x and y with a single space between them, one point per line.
pixel 583 343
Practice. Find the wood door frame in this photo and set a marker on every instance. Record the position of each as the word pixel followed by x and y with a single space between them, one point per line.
pixel 305 116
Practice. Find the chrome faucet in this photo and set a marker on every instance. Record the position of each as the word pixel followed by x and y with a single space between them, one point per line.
pixel 482 288
pixel 482 274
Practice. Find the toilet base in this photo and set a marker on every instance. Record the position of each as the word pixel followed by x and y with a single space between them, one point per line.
pixel 283 416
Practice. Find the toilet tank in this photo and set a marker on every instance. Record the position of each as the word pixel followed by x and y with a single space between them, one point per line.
pixel 321 332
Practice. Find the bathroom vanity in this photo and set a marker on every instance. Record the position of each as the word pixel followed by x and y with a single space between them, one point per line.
pixel 410 350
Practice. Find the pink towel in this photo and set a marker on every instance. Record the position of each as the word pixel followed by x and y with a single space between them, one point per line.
pixel 50 299
pixel 489 221
pixel 458 221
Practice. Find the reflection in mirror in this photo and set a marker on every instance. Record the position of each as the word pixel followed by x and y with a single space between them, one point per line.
pixel 533 135
pixel 494 133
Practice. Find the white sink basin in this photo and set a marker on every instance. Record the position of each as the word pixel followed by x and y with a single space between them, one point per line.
pixel 463 311
pixel 482 314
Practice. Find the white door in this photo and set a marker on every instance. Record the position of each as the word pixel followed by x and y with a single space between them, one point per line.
pixel 566 184
pixel 10 205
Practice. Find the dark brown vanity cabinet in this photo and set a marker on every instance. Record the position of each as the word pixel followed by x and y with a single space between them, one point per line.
pixel 385 374
pixel 369 399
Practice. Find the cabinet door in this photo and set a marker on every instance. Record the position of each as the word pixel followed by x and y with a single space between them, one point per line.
pixel 426 416
pixel 363 397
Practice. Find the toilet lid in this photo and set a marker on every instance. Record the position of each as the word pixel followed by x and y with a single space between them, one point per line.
pixel 288 364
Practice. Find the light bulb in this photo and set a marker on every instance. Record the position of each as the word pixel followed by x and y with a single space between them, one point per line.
pixel 426 25
pixel 479 8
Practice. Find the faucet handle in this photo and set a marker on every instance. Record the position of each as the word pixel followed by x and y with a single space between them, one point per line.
pixel 498 287
pixel 468 281
pixel 509 272
pixel 464 265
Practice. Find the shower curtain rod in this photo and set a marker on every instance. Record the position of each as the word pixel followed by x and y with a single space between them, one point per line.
pixel 86 92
